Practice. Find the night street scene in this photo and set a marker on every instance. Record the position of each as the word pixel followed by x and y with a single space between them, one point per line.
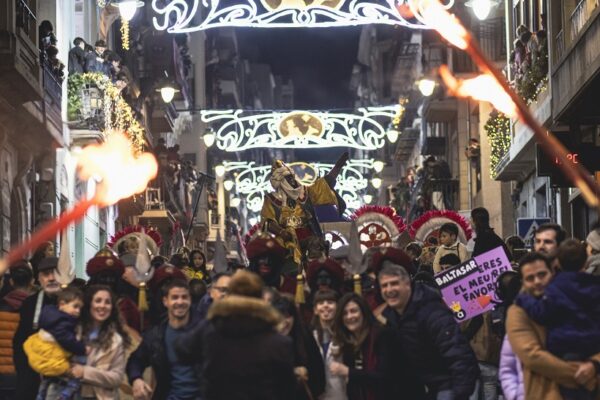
pixel 299 200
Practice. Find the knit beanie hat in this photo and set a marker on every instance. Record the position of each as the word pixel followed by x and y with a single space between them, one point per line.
pixel 593 239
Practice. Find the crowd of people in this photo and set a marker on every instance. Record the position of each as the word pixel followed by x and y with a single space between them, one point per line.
pixel 82 58
pixel 85 58
pixel 242 335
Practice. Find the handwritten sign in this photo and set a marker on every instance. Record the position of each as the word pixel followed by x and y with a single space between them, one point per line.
pixel 469 288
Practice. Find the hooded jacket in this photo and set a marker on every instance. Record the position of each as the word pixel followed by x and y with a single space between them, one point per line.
pixel 570 311
pixel 435 352
pixel 243 356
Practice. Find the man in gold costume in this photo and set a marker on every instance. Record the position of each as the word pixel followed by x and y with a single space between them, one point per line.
pixel 289 212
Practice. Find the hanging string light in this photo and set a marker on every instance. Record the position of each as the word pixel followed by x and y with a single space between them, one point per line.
pixel 497 128
pixel 124 34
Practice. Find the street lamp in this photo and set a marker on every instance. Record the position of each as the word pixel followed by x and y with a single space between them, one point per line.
pixel 392 135
pixel 209 137
pixel 127 8
pixel 235 202
pixel 376 182
pixel 220 170
pixel 481 8
pixel 378 166
pixel 228 184
pixel 368 198
pixel 167 93
pixel 426 87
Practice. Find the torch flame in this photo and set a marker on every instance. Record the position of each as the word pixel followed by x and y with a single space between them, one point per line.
pixel 119 172
pixel 484 87
pixel 434 14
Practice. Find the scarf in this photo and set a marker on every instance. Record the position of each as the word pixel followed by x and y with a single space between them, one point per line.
pixel 283 189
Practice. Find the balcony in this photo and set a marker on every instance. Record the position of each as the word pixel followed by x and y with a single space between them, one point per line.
pixel 427 194
pixel 580 15
pixel 20 73
pixel 96 108
pixel 519 161
pixel 578 60
pixel 155 212
pixel 52 102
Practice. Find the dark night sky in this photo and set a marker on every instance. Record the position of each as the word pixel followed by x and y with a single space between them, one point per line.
pixel 319 61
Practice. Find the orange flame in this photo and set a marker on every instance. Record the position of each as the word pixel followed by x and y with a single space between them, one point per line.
pixel 434 14
pixel 119 172
pixel 484 87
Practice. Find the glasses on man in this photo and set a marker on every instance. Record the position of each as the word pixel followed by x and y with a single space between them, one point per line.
pixel 221 289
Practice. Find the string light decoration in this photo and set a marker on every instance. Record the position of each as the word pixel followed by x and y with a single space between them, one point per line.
pixel 399 113
pixel 497 129
pixel 124 34
pixel 238 130
pixel 182 16
pixel 118 115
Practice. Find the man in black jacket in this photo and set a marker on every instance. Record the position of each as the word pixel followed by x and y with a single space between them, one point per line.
pixel 28 381
pixel 77 57
pixel 433 351
pixel 174 380
pixel 486 238
pixel 243 355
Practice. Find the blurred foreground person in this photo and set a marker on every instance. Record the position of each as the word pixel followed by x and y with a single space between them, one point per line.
pixel 308 364
pixel 243 356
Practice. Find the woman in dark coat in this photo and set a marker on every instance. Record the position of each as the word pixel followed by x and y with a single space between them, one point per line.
pixel 308 364
pixel 358 334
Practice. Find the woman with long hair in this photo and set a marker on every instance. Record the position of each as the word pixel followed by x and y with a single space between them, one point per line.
pixel 357 333
pixel 324 307
pixel 308 364
pixel 103 331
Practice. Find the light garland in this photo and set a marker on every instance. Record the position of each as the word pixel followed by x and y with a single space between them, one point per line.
pixel 124 34
pixel 238 130
pixel 181 16
pixel 252 181
pixel 399 113
pixel 497 128
pixel 113 106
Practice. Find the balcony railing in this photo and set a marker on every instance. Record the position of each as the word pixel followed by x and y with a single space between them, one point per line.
pixel 581 15
pixel 95 104
pixel 492 38
pixel 25 19
pixel 432 194
pixel 52 98
pixel 560 44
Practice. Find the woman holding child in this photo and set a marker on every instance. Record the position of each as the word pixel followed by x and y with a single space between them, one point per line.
pixel 103 331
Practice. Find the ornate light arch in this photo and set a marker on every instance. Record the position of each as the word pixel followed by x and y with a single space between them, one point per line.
pixel 180 16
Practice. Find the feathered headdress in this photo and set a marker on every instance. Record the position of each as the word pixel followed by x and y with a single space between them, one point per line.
pixel 432 220
pixel 149 234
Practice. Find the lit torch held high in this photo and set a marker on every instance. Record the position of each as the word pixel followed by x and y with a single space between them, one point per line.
pixel 119 173
pixel 491 86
